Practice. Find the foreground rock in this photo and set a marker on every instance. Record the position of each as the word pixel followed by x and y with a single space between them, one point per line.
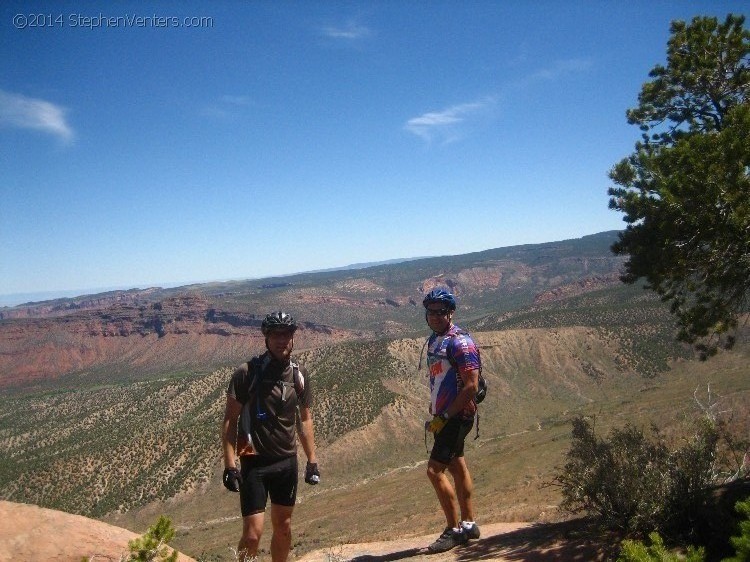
pixel 29 532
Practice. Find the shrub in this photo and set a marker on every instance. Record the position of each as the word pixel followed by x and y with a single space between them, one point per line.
pixel 636 484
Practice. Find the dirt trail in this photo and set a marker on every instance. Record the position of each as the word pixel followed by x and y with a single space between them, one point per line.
pixel 517 542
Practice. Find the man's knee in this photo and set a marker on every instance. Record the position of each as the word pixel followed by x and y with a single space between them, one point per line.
pixel 283 527
pixel 247 550
pixel 281 519
pixel 458 467
pixel 248 546
pixel 252 529
pixel 460 473
pixel 435 470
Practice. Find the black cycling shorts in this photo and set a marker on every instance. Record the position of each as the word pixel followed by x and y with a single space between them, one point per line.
pixel 449 441
pixel 262 478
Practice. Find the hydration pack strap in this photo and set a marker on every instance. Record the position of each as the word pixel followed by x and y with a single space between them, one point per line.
pixel 299 386
pixel 421 354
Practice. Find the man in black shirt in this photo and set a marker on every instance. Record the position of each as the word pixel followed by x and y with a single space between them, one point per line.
pixel 270 395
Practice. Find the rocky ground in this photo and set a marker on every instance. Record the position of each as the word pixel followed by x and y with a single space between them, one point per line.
pixel 30 533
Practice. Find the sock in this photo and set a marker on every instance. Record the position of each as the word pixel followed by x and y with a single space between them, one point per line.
pixel 467 524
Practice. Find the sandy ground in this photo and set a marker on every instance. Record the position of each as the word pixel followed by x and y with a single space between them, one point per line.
pixel 517 542
pixel 29 533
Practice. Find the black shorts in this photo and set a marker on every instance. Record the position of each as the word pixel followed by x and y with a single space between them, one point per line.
pixel 262 478
pixel 449 441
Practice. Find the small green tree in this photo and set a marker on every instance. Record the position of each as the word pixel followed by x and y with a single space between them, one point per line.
pixel 684 191
pixel 741 542
pixel 152 546
pixel 637 551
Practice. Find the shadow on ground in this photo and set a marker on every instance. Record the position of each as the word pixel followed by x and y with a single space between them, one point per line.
pixel 569 541
pixel 408 553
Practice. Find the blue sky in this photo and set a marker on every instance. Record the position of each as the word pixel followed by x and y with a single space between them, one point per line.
pixel 275 137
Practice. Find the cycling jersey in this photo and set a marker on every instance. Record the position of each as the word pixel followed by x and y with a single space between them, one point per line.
pixel 450 356
pixel 270 410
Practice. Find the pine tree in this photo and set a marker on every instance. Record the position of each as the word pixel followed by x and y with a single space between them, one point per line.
pixel 152 546
pixel 685 191
pixel 741 542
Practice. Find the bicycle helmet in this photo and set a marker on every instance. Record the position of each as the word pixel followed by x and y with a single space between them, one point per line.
pixel 441 296
pixel 278 321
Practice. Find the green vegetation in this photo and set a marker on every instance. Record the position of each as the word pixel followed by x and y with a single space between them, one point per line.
pixel 349 391
pixel 684 189
pixel 153 545
pixel 636 484
pixel 112 448
pixel 684 195
pixel 741 542
pixel 637 551
pixel 624 315
pixel 107 449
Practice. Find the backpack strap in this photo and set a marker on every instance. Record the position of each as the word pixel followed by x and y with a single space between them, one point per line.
pixel 299 386
pixel 254 371
pixel 299 379
pixel 421 353
pixel 454 364
pixel 298 382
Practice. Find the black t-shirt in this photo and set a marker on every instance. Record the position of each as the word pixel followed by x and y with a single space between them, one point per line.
pixel 270 396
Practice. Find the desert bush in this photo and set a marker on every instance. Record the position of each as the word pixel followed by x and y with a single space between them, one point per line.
pixel 633 482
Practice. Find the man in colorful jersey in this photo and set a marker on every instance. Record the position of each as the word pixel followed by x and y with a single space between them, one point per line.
pixel 453 361
pixel 267 394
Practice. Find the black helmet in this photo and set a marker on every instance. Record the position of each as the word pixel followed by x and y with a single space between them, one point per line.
pixel 278 321
pixel 441 296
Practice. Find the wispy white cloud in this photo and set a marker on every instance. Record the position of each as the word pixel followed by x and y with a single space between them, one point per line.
pixel 561 68
pixel 19 111
pixel 351 32
pixel 235 100
pixel 226 107
pixel 453 123
pixel 448 125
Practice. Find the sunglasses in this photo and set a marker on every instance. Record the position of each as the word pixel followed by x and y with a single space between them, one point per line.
pixel 437 312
